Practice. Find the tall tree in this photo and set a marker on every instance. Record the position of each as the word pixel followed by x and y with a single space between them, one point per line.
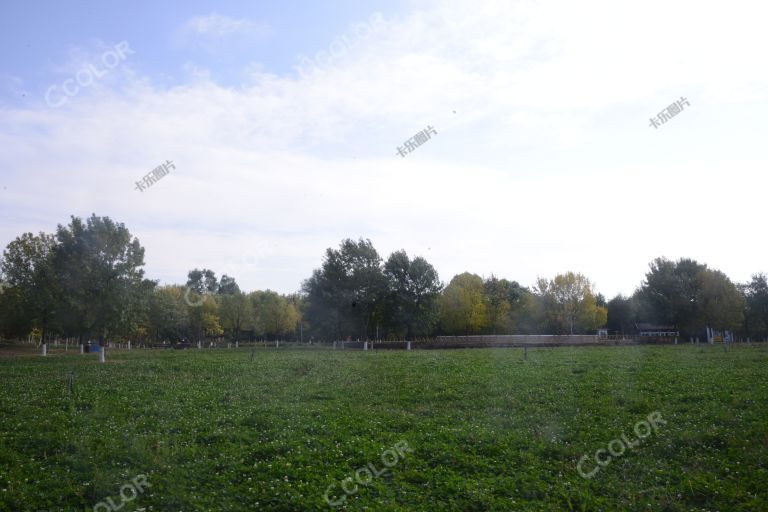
pixel 169 314
pixel 570 303
pixel 202 281
pixel 505 303
pixel 204 318
pixel 98 263
pixel 32 293
pixel 344 295
pixel 756 314
pixel 413 288
pixel 228 286
pixel 235 310
pixel 669 294
pixel 722 305
pixel 621 314
pixel 463 308
pixel 277 315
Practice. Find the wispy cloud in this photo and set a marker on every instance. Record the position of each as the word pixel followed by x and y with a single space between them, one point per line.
pixel 544 161
pixel 206 30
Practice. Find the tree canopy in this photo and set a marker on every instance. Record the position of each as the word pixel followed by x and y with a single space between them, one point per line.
pixel 87 280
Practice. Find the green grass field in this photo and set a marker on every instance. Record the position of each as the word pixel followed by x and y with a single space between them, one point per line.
pixel 212 430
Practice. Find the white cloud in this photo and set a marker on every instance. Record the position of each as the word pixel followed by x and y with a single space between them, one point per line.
pixel 215 28
pixel 547 165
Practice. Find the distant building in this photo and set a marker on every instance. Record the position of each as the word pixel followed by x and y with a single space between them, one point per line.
pixel 657 331
pixel 719 336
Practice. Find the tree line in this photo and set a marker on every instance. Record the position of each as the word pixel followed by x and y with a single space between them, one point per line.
pixel 86 281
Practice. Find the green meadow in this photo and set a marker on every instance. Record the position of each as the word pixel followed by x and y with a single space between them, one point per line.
pixel 317 429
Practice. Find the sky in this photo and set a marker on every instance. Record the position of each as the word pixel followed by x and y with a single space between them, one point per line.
pixel 280 123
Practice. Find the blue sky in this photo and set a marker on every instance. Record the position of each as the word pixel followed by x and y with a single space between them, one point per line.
pixel 283 120
pixel 38 37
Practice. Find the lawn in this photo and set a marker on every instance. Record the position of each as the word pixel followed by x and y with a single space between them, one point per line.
pixel 463 430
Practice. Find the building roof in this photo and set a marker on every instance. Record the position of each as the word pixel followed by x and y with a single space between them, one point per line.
pixel 654 327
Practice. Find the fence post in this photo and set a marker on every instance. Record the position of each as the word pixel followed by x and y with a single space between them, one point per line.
pixel 409 345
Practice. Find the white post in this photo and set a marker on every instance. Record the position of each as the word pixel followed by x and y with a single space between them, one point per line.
pixel 129 344
pixel 82 348
pixel 409 346
pixel 277 344
pixel 675 340
pixel 102 354
pixel 44 349
pixel 237 344
pixel 365 345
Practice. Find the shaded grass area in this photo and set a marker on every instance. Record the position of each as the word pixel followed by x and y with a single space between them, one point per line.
pixel 212 430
